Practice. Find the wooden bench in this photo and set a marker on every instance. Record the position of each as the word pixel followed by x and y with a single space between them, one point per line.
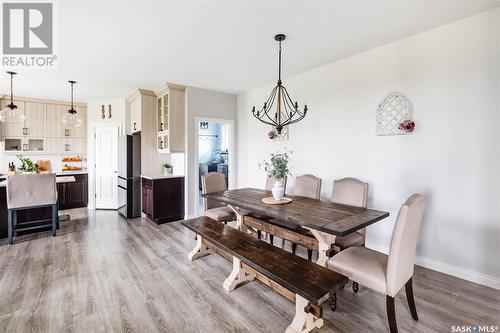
pixel 302 281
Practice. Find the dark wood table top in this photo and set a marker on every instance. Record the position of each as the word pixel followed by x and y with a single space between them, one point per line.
pixel 326 216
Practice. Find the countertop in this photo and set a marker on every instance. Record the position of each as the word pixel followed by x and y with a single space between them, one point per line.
pixel 79 172
pixel 154 177
pixel 63 179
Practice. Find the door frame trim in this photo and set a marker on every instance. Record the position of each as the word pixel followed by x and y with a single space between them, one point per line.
pixel 231 157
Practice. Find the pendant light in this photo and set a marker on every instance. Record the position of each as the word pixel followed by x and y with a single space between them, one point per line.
pixel 11 113
pixel 71 118
pixel 287 112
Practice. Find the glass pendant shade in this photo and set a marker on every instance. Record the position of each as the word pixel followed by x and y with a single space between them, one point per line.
pixel 11 113
pixel 71 118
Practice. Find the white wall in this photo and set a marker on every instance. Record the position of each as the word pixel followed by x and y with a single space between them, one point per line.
pixel 202 103
pixel 452 77
pixel 94 119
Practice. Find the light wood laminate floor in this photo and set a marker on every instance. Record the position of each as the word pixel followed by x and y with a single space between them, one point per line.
pixel 103 273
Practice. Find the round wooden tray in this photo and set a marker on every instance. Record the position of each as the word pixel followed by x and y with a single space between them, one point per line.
pixel 272 201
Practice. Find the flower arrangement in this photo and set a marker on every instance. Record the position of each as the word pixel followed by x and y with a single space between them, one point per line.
pixel 27 165
pixel 277 166
pixel 407 126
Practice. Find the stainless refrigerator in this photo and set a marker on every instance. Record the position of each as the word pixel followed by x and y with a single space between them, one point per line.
pixel 129 181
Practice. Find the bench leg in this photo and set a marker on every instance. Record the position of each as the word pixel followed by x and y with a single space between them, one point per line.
pixel 237 276
pixel 200 249
pixel 325 242
pixel 303 322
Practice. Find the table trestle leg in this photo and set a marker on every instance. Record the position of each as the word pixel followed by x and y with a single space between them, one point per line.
pixel 325 244
pixel 303 321
pixel 237 276
pixel 200 250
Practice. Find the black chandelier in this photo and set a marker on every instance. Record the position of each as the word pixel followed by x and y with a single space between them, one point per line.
pixel 287 112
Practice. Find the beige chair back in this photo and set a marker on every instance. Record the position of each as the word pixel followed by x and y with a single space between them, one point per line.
pixel 307 186
pixel 270 183
pixel 31 190
pixel 351 192
pixel 210 183
pixel 404 243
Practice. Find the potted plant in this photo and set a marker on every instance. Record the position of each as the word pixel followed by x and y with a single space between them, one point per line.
pixel 27 165
pixel 277 167
pixel 167 168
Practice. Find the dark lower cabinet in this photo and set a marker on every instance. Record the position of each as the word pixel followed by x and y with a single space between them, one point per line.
pixel 75 194
pixel 163 199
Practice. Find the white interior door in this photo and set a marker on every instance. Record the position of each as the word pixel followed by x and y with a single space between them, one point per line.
pixel 106 167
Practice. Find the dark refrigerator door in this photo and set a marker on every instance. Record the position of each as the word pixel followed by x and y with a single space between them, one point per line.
pixel 136 155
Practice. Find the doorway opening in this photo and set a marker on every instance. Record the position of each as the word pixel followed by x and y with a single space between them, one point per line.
pixel 214 153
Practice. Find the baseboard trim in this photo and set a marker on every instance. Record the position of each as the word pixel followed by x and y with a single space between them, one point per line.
pixel 456 271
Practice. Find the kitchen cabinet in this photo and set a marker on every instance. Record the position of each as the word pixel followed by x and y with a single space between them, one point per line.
pixel 34 124
pixel 163 199
pixel 135 112
pixel 55 126
pixel 170 120
pixel 75 146
pixel 74 194
pixel 18 145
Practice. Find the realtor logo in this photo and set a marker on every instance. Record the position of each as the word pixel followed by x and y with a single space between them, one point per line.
pixel 27 28
pixel 28 34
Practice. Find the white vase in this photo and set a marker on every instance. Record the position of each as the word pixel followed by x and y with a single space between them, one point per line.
pixel 278 190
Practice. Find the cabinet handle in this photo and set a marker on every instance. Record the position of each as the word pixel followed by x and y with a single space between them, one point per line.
pixel 135 129
pixel 67 132
pixel 25 131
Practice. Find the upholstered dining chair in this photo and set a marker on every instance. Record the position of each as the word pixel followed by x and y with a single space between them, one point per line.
pixel 351 192
pixel 210 183
pixel 270 183
pixel 27 192
pixel 388 274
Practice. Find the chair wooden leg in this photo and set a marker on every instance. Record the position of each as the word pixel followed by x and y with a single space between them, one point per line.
pixel 10 227
pixel 271 239
pixel 294 248
pixel 409 298
pixel 54 220
pixel 391 314
pixel 355 286
pixel 309 254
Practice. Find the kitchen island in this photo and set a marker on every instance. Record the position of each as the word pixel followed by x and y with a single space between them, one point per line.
pixel 63 183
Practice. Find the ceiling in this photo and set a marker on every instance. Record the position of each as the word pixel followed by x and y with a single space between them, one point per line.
pixel 113 47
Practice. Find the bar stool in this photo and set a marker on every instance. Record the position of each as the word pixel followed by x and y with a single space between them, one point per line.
pixel 28 192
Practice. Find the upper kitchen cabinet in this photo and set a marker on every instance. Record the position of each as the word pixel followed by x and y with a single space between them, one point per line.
pixel 170 119
pixel 55 126
pixel 35 122
pixel 141 109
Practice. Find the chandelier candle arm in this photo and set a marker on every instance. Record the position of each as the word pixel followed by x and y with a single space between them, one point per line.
pixel 286 109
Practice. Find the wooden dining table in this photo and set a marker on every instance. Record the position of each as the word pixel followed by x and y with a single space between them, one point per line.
pixel 326 220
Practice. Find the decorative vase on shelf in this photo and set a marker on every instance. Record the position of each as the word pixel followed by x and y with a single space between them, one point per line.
pixel 167 171
pixel 278 190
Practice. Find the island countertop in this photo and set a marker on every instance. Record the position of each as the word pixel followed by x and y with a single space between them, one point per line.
pixel 59 179
pixel 160 176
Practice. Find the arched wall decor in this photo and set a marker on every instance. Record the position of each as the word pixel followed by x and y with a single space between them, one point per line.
pixel 391 112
